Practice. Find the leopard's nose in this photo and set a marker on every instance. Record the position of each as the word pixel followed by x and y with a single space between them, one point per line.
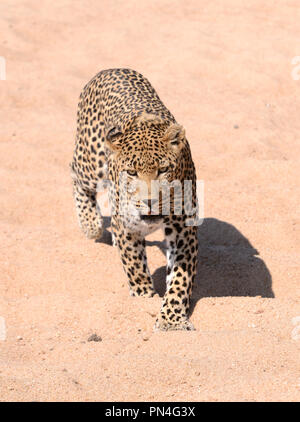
pixel 150 202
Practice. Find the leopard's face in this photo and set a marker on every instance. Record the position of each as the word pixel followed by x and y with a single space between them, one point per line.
pixel 144 166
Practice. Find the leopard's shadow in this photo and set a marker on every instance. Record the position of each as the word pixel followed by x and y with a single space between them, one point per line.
pixel 228 265
pixel 106 236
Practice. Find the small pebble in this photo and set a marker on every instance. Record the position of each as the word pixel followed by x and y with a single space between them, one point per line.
pixel 94 337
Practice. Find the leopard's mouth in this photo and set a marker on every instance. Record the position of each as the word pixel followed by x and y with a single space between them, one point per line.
pixel 151 218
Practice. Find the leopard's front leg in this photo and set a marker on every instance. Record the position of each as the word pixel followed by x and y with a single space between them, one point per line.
pixel 131 247
pixel 181 270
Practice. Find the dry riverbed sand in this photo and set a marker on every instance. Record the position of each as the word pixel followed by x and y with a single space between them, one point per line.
pixel 224 69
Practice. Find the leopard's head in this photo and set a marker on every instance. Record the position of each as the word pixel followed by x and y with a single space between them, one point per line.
pixel 146 164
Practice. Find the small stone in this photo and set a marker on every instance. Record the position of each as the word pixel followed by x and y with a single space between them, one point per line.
pixel 94 337
pixel 19 338
pixel 236 126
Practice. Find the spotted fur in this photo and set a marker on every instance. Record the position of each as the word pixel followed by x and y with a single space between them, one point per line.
pixel 123 126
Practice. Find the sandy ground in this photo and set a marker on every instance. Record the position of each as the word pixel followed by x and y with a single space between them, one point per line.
pixel 224 70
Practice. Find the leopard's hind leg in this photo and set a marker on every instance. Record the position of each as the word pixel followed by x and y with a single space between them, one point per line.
pixel 88 212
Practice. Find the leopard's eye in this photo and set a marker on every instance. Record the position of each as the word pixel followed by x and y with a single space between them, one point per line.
pixel 132 172
pixel 163 169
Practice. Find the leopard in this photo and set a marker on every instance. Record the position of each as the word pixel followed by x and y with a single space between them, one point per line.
pixel 128 142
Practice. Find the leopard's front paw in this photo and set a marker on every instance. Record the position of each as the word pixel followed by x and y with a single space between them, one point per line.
pixel 164 324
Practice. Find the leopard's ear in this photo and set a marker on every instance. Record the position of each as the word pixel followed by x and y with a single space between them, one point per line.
pixel 175 135
pixel 114 137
